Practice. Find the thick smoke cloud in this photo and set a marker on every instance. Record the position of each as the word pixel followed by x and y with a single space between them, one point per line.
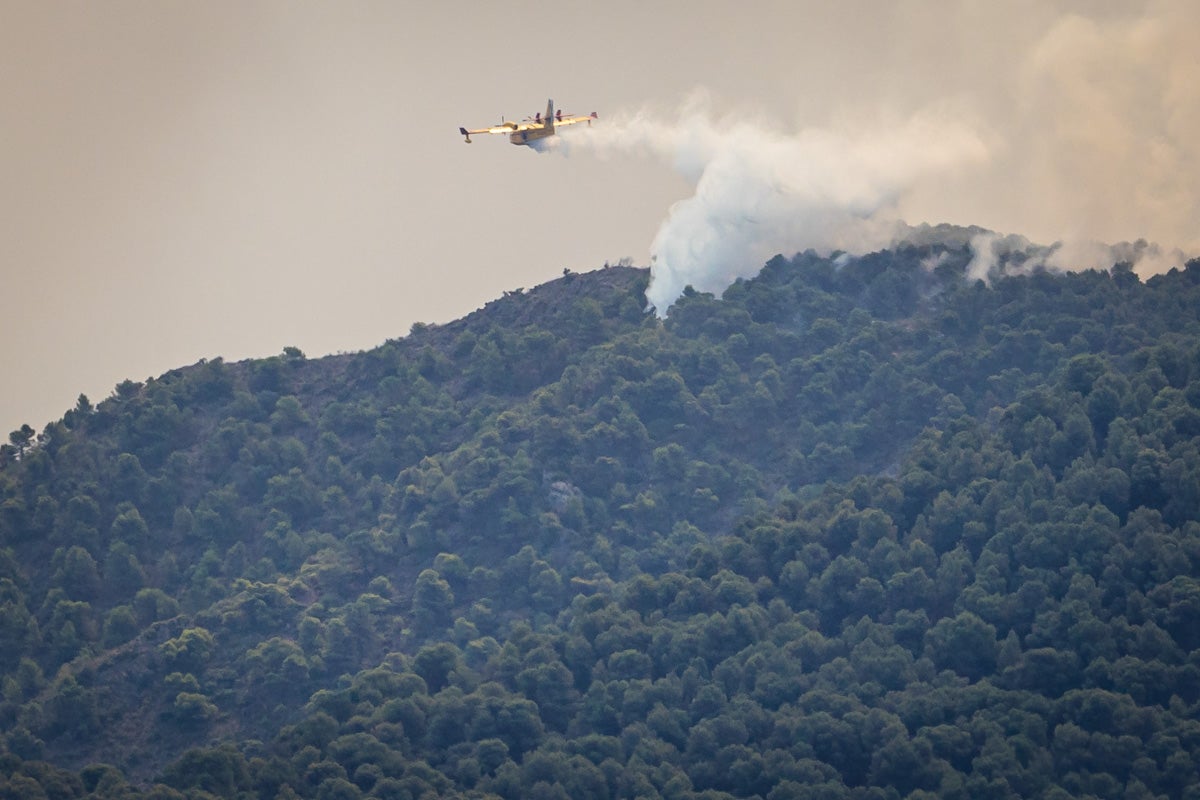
pixel 759 191
pixel 1088 137
pixel 1109 114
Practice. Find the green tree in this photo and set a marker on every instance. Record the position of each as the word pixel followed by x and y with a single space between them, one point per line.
pixel 152 604
pixel 193 709
pixel 79 574
pixel 190 651
pixel 21 439
pixel 119 626
pixel 221 771
pixel 965 644
pixel 431 604
pixel 435 663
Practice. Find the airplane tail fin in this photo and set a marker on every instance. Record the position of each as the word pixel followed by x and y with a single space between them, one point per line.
pixel 549 123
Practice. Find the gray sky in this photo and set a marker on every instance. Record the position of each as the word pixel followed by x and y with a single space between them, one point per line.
pixel 186 180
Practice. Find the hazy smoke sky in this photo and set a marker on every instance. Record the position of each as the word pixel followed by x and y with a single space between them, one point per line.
pixel 188 180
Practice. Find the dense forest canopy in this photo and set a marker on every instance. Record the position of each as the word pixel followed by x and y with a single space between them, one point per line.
pixel 860 528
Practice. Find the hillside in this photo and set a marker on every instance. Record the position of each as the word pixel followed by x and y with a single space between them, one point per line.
pixel 861 527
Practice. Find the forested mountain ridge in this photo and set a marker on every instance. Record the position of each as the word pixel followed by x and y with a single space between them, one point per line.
pixel 860 528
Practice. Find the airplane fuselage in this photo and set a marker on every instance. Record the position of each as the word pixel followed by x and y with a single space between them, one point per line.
pixel 530 135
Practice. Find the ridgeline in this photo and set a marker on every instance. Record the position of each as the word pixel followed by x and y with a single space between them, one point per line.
pixel 860 528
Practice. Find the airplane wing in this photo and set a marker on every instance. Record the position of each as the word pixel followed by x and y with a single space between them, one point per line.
pixel 564 120
pixel 503 127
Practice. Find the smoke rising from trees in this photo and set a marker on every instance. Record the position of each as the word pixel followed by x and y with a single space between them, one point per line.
pixel 1087 139
pixel 759 191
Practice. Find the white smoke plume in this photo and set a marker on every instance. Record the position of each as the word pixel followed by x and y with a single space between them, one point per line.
pixel 994 254
pixel 1099 143
pixel 760 191
pixel 1085 133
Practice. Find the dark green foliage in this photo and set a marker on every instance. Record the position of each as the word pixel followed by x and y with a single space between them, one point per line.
pixel 858 529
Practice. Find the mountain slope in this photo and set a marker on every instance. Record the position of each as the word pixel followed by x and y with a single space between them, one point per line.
pixel 860 523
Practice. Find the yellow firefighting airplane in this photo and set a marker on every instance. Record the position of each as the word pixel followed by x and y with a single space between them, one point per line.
pixel 532 129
